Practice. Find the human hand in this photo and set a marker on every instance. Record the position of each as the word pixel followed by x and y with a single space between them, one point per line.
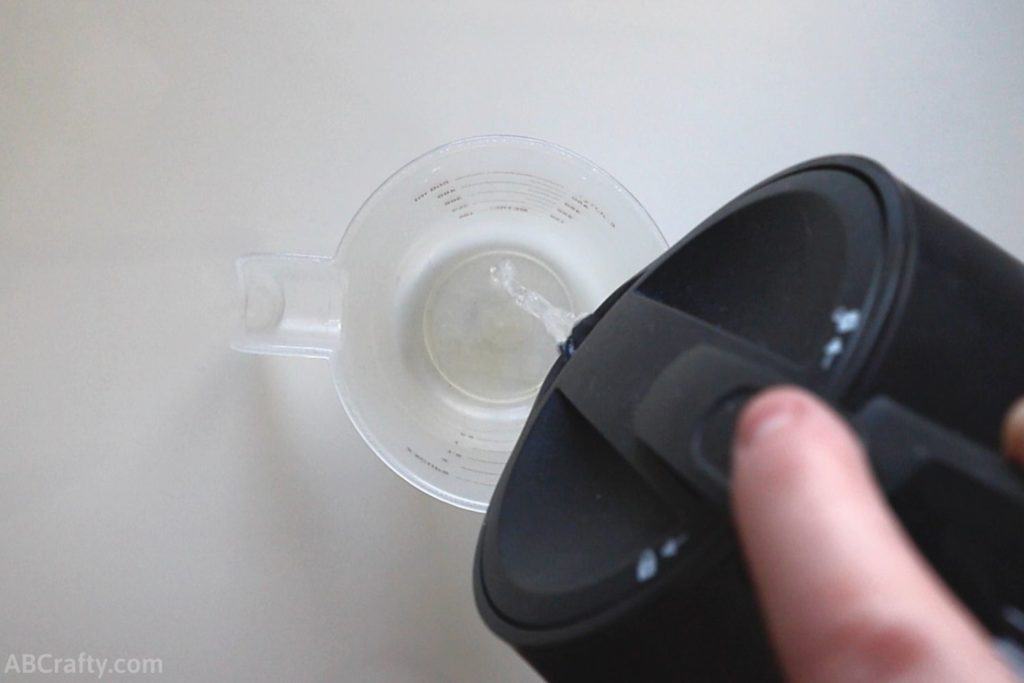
pixel 845 594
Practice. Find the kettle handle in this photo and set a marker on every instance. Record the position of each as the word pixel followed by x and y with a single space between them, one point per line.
pixel 963 505
pixel 960 501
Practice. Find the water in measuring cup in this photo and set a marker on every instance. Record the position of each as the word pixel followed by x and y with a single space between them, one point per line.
pixel 493 322
pixel 557 322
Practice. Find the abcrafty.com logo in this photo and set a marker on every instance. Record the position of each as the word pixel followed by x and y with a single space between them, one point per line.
pixel 46 663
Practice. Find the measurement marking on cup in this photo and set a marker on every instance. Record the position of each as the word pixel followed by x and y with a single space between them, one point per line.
pixel 555 190
pixel 509 207
pixel 433 188
pixel 587 204
pixel 470 469
pixel 515 173
pixel 509 202
pixel 474 481
pixel 485 462
pixel 532 195
pixel 426 462
pixel 539 190
pixel 482 461
pixel 506 182
pixel 471 437
pixel 523 205
pixel 602 214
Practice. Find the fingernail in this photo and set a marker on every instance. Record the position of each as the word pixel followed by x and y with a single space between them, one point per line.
pixel 762 419
pixel 1013 431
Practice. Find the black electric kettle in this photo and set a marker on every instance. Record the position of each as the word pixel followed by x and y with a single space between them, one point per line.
pixel 607 551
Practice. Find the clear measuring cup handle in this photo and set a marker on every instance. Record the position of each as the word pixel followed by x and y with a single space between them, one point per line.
pixel 290 305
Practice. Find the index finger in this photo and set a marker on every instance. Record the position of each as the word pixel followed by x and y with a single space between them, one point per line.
pixel 845 594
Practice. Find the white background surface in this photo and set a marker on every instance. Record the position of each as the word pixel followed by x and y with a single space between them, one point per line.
pixel 161 496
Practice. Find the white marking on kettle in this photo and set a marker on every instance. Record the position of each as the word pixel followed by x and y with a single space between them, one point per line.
pixel 846 320
pixel 646 565
pixel 670 548
pixel 832 349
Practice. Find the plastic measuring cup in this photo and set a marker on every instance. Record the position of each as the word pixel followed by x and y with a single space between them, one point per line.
pixel 431 310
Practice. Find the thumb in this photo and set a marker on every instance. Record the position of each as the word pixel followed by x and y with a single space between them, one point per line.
pixel 845 594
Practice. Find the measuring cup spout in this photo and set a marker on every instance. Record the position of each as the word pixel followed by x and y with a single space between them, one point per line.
pixel 290 305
